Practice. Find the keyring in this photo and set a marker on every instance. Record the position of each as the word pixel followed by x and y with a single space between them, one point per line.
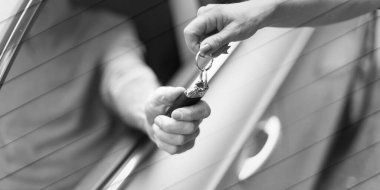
pixel 208 66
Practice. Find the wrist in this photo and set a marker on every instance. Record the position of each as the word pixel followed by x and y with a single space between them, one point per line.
pixel 130 95
pixel 146 126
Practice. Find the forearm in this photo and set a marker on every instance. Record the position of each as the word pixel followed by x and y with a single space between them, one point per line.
pixel 127 83
pixel 294 13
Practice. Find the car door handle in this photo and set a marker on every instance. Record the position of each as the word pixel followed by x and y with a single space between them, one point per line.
pixel 272 128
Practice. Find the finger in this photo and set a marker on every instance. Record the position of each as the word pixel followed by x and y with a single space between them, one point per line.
pixel 196 30
pixel 170 125
pixel 167 147
pixel 186 147
pixel 166 95
pixel 192 37
pixel 206 8
pixel 173 139
pixel 195 112
pixel 212 43
pixel 196 123
pixel 171 149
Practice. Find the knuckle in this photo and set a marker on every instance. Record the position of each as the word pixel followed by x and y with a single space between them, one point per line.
pixel 191 145
pixel 190 128
pixel 216 41
pixel 211 5
pixel 159 145
pixel 167 148
pixel 155 129
pixel 201 10
pixel 150 104
pixel 196 133
pixel 172 150
pixel 180 140
pixel 216 8
pixel 166 124
pixel 190 31
pixel 187 31
pixel 148 107
pixel 159 120
pixel 158 97
pixel 159 91
pixel 206 8
pixel 169 126
pixel 162 98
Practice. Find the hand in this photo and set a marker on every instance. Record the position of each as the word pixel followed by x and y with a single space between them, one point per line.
pixel 219 24
pixel 177 133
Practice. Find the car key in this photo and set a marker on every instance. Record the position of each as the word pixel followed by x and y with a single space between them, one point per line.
pixel 194 94
pixel 191 95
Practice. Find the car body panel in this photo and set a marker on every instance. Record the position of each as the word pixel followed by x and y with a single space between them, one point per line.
pixel 319 83
pixel 312 105
pixel 246 76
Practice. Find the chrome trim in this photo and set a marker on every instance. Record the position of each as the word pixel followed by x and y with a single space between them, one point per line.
pixel 121 176
pixel 23 20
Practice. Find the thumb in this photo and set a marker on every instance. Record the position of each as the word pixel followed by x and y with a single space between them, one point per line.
pixel 214 42
pixel 166 95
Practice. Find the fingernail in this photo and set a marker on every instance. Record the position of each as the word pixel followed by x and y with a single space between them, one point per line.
pixel 177 115
pixel 205 48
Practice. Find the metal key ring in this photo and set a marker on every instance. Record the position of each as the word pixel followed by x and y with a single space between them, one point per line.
pixel 208 66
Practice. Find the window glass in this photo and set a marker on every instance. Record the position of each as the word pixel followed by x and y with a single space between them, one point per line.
pixel 8 10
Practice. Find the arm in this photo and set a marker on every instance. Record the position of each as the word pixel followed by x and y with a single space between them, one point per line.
pixel 239 21
pixel 132 91
pixel 293 13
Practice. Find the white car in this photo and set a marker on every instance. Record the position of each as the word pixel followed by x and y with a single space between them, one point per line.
pixel 291 109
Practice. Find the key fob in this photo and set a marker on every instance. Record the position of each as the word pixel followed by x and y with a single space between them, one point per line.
pixel 189 97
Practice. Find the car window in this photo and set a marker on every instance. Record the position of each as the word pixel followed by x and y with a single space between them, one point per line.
pixel 8 10
pixel 15 19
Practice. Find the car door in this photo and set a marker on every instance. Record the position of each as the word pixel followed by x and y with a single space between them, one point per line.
pixel 299 102
pixel 320 85
pixel 328 107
